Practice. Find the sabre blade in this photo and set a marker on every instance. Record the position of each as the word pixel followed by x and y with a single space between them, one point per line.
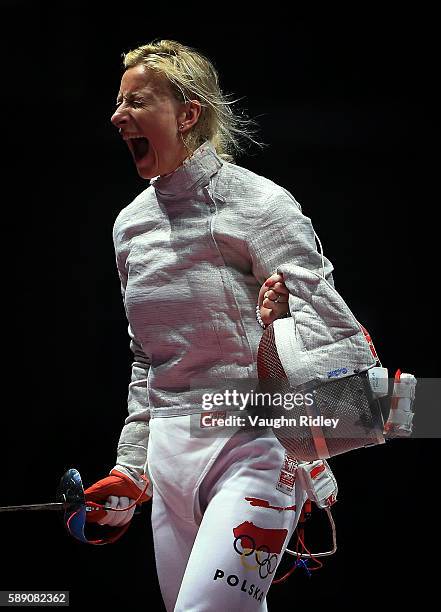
pixel 51 506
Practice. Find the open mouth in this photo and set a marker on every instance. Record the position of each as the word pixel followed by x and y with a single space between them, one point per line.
pixel 140 147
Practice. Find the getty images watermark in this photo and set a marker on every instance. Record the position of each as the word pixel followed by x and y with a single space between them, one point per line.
pixel 240 401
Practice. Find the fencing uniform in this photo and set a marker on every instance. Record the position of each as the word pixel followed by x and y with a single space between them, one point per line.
pixel 192 251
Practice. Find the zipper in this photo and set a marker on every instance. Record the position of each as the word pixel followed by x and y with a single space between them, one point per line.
pixel 210 200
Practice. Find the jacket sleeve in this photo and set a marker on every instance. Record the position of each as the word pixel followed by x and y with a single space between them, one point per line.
pixel 132 446
pixel 283 236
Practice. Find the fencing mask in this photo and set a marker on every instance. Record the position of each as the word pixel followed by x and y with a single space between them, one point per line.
pixel 312 370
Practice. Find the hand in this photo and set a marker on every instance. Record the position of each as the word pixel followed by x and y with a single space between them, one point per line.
pixel 117 486
pixel 117 519
pixel 273 289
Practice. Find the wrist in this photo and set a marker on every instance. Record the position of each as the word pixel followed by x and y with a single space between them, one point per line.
pixel 259 318
pixel 136 482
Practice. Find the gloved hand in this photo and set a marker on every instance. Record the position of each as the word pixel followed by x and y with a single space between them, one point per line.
pixel 118 491
pixel 117 519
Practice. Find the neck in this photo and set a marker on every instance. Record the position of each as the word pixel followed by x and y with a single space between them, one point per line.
pixel 181 163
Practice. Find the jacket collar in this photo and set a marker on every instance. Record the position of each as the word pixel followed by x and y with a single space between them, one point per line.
pixel 194 172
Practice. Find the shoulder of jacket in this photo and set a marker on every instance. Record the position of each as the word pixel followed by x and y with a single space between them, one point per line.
pixel 259 190
pixel 131 213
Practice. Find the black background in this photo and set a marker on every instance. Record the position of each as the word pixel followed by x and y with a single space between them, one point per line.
pixel 342 100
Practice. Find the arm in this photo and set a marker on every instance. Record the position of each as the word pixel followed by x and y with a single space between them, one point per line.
pixel 131 457
pixel 282 237
pixel 327 333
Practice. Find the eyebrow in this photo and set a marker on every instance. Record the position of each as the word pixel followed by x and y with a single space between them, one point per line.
pixel 132 95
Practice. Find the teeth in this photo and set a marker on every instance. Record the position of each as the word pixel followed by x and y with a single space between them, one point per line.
pixel 132 136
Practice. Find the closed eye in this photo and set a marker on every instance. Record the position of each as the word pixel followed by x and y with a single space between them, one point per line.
pixel 133 103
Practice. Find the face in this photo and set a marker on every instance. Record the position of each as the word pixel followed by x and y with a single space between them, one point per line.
pixel 148 117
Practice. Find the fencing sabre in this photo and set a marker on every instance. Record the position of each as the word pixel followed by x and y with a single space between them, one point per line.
pixel 70 499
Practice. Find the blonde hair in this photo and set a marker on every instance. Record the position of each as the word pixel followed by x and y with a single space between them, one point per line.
pixel 193 76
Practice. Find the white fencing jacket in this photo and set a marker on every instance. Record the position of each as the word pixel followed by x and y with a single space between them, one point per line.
pixel 192 251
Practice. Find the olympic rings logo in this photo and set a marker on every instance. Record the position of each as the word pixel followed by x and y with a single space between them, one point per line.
pixel 266 566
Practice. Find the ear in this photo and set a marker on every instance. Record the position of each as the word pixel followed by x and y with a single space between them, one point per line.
pixel 190 115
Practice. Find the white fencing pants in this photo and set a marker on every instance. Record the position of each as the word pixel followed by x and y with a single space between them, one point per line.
pixel 224 509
